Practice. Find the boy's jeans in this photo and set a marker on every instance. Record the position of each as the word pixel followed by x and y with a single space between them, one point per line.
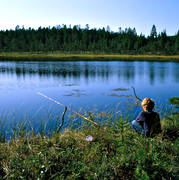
pixel 137 127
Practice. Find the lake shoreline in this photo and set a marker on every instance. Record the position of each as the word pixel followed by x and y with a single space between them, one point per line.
pixel 25 56
pixel 92 151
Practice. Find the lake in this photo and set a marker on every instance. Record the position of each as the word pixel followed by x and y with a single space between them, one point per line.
pixel 87 86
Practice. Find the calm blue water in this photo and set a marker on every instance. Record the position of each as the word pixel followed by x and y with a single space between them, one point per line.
pixel 85 86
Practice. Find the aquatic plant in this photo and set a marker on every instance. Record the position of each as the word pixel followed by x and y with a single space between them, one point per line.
pixel 175 101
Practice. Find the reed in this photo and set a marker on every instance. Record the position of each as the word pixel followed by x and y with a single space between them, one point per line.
pixel 59 56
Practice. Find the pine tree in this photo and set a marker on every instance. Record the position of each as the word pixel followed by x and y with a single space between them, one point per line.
pixel 153 32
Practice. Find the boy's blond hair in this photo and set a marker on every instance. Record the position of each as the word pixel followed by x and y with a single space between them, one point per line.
pixel 148 103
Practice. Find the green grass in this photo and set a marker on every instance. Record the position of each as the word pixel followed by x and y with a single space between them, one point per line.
pixel 116 152
pixel 83 56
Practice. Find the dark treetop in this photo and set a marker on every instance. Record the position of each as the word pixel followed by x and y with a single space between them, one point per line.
pixel 76 39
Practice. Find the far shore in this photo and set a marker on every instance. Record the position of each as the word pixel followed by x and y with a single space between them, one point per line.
pixel 55 56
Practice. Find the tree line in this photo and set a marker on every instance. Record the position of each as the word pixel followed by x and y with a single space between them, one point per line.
pixel 77 39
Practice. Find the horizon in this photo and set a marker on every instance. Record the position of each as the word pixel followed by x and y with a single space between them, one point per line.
pixel 83 27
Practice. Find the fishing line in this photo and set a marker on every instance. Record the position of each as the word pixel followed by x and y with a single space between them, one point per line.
pixel 70 109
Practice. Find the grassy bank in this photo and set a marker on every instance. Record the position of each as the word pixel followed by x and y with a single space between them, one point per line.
pixel 115 152
pixel 86 57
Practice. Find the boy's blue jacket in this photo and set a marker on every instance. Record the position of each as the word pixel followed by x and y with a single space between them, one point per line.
pixel 150 122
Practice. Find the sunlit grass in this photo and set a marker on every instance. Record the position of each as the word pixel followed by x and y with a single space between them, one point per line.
pixel 82 56
pixel 115 152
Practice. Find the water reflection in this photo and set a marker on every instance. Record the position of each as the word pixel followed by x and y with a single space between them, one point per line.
pixel 127 71
pixel 56 69
pixel 83 85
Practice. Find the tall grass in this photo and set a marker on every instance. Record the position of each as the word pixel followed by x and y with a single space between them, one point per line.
pixel 116 152
pixel 82 56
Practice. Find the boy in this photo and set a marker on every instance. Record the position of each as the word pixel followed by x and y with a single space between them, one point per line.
pixel 148 121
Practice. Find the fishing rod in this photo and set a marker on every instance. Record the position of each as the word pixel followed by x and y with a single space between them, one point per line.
pixel 135 94
pixel 139 98
pixel 70 109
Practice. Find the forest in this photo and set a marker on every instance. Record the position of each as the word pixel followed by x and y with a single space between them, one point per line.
pixel 85 40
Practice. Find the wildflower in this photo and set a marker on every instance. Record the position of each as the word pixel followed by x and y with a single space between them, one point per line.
pixel 89 138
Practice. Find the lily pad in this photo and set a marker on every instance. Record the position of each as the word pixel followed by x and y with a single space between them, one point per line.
pixel 120 89
pixel 117 95
pixel 69 94
pixel 71 84
pixel 75 94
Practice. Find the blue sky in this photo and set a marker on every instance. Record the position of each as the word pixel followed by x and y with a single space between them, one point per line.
pixel 141 14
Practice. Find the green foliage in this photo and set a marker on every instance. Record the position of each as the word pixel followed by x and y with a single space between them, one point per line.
pixel 116 152
pixel 175 101
pixel 76 40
